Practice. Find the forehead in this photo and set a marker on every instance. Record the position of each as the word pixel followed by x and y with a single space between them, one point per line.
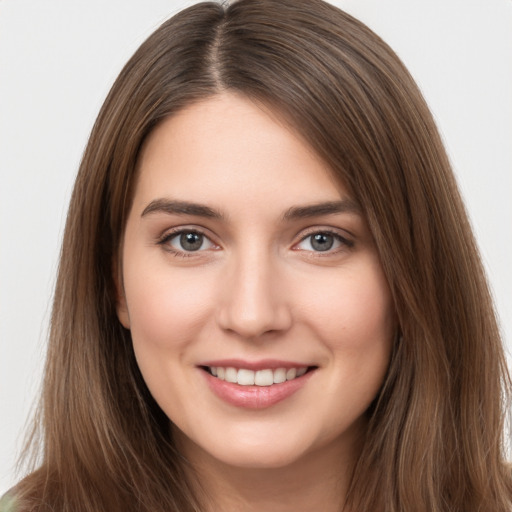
pixel 229 149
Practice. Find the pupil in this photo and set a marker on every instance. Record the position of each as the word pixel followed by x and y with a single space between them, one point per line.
pixel 322 242
pixel 191 241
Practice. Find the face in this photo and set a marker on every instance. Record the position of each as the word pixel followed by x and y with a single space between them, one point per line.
pixel 260 317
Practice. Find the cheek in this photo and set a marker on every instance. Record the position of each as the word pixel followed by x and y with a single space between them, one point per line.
pixel 166 308
pixel 352 314
pixel 356 322
pixel 352 310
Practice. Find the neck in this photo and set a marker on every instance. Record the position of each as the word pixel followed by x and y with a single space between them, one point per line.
pixel 317 481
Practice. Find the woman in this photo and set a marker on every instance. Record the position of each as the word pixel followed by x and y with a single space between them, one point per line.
pixel 269 296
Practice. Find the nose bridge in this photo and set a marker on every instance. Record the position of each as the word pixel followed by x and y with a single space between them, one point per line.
pixel 253 302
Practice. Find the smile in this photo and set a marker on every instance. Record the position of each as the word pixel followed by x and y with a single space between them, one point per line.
pixel 255 385
pixel 264 377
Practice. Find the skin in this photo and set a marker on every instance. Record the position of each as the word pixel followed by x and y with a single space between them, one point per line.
pixel 256 289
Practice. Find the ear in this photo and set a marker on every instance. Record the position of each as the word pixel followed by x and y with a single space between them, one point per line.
pixel 120 296
pixel 122 312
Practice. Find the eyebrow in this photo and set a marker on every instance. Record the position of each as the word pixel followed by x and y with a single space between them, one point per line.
pixel 318 209
pixel 173 207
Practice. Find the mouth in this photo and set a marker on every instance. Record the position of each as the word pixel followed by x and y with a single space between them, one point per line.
pixel 264 377
pixel 255 384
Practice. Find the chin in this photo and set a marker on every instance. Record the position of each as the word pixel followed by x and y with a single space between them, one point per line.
pixel 260 459
pixel 244 451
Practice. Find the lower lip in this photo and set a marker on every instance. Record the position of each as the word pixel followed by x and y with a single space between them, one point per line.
pixel 255 397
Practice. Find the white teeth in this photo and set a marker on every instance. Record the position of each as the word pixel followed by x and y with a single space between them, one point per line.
pixel 301 371
pixel 264 378
pixel 267 377
pixel 291 374
pixel 245 377
pixel 231 375
pixel 279 375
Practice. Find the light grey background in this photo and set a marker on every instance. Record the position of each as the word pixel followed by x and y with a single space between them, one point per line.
pixel 58 59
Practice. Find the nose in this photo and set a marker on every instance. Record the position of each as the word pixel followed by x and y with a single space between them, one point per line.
pixel 253 300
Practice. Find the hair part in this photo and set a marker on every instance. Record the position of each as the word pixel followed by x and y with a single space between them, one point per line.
pixel 435 438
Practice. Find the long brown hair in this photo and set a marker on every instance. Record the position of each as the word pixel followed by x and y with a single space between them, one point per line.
pixel 435 438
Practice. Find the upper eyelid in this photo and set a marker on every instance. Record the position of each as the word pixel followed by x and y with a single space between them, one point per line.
pixel 171 232
pixel 343 233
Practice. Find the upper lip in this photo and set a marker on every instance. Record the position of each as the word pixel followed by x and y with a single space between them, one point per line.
pixel 262 364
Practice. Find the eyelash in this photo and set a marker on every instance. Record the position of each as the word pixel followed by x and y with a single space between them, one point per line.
pixel 345 243
pixel 167 237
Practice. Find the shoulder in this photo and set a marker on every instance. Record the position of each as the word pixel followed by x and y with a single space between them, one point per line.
pixel 11 502
pixel 8 503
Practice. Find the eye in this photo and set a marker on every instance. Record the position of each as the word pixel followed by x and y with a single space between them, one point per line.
pixel 323 241
pixel 187 241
